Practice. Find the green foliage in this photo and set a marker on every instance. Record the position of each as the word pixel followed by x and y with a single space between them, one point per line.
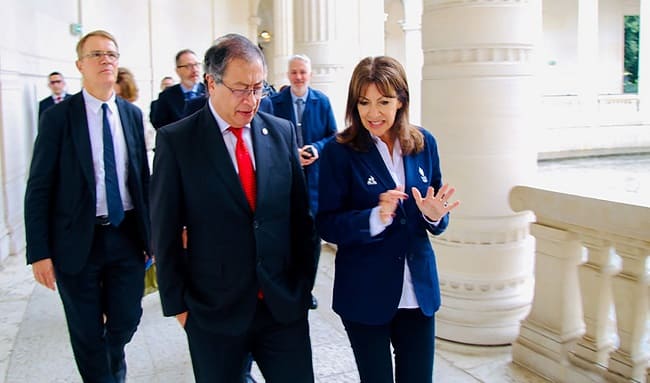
pixel 631 54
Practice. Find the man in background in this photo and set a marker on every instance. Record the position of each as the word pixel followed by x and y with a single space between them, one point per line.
pixel 311 112
pixel 171 102
pixel 165 83
pixel 56 83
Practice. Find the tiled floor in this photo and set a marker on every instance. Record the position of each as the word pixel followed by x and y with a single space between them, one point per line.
pixel 34 347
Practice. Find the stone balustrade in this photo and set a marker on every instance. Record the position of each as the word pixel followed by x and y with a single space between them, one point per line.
pixel 590 314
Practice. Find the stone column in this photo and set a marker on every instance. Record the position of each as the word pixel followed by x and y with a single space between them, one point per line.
pixel 316 36
pixel 480 96
pixel 412 27
pixel 588 61
pixel 282 41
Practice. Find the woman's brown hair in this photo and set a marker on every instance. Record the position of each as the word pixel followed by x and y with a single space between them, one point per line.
pixel 128 88
pixel 388 75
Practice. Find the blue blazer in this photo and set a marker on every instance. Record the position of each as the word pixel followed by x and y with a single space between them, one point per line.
pixel 231 250
pixel 171 105
pixel 47 102
pixel 370 270
pixel 318 127
pixel 60 200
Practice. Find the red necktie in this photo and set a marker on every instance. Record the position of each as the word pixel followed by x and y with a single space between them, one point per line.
pixel 245 165
pixel 58 99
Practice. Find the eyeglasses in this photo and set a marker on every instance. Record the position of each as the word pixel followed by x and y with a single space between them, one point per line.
pixel 189 65
pixel 258 93
pixel 111 56
pixel 56 82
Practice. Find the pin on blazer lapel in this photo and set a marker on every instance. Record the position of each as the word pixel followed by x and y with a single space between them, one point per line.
pixel 377 171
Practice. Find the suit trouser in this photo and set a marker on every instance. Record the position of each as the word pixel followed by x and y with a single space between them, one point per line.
pixel 109 286
pixel 412 335
pixel 282 351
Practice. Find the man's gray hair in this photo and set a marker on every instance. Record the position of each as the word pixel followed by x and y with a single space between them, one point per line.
pixel 299 57
pixel 226 49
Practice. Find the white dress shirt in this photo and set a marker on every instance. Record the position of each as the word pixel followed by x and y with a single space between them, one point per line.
pixel 231 140
pixel 395 165
pixel 95 130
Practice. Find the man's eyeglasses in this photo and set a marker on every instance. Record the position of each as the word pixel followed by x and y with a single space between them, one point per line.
pixel 189 66
pixel 258 93
pixel 56 82
pixel 111 56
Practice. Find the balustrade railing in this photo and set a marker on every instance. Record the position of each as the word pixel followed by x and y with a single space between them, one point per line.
pixel 590 313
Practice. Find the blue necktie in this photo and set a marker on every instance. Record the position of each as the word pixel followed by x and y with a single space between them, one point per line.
pixel 300 108
pixel 113 199
pixel 190 95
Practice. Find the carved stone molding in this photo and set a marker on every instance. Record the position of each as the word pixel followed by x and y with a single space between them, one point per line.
pixel 438 4
pixel 479 55
pixel 474 287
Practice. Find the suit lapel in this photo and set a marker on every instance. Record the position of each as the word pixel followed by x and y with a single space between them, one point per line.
pixel 130 138
pixel 263 155
pixel 81 138
pixel 377 171
pixel 214 148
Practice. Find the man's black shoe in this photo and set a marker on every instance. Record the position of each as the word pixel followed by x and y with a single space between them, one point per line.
pixel 314 303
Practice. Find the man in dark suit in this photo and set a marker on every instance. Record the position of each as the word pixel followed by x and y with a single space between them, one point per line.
pixel 232 177
pixel 171 102
pixel 86 212
pixel 165 83
pixel 56 83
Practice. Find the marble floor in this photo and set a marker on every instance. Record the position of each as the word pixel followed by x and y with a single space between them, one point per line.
pixel 34 346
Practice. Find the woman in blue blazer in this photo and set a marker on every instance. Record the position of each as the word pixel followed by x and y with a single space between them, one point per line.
pixel 380 195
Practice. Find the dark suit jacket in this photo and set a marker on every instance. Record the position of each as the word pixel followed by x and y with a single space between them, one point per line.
pixel 318 127
pixel 370 270
pixel 171 105
pixel 47 102
pixel 152 107
pixel 60 197
pixel 232 251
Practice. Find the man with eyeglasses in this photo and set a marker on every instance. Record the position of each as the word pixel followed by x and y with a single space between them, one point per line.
pixel 56 83
pixel 232 176
pixel 172 101
pixel 86 212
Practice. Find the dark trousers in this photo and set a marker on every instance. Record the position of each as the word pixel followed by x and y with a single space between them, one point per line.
pixel 282 351
pixel 412 336
pixel 110 286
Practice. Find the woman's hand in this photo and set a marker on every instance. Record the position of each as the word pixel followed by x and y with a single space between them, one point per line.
pixel 388 202
pixel 434 206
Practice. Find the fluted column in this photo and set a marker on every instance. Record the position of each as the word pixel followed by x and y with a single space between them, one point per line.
pixel 412 27
pixel 282 41
pixel 478 98
pixel 316 36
